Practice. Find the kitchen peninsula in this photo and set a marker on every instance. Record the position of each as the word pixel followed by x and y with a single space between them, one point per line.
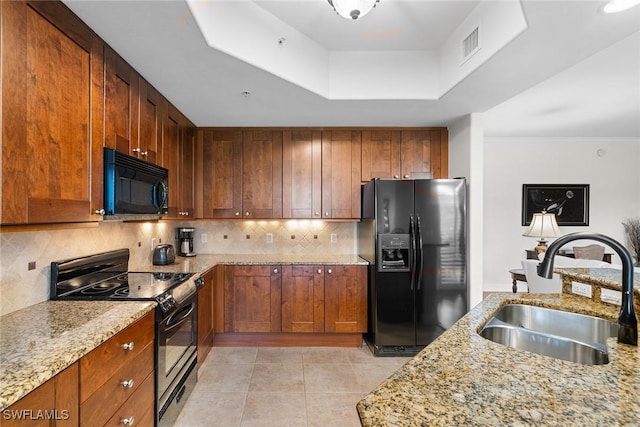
pixel 465 379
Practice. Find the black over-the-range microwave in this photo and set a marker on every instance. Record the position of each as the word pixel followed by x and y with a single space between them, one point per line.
pixel 133 186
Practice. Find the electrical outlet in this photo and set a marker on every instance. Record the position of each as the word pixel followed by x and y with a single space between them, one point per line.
pixel 153 243
pixel 203 238
pixel 334 238
pixel 611 296
pixel 269 237
pixel 581 289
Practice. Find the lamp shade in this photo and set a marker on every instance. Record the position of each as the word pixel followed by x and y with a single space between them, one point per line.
pixel 353 9
pixel 543 225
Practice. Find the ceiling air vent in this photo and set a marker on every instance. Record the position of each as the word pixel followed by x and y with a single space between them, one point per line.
pixel 471 44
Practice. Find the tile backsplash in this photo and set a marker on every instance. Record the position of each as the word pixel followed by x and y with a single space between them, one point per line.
pixel 21 287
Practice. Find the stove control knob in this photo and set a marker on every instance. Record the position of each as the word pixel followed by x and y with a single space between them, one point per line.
pixel 199 282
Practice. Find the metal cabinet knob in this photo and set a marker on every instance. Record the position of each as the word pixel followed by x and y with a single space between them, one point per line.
pixel 326 214
pixel 100 212
pixel 127 384
pixel 128 421
pixel 319 271
pixel 329 271
pixel 128 346
pixel 275 271
pixel 406 176
pixel 396 176
pixel 247 213
pixel 144 153
pixel 136 150
pixel 316 213
pixel 237 214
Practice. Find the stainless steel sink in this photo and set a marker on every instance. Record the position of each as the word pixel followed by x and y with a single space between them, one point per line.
pixel 563 335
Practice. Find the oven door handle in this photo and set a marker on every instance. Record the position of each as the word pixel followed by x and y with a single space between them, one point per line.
pixel 178 317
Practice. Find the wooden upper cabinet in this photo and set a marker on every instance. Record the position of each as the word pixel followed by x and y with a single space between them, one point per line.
pixel 302 298
pixel 186 176
pixel 262 174
pixel 252 299
pixel 171 154
pixel 221 172
pixel 121 95
pixel 404 154
pixel 150 124
pixel 341 166
pixel 345 290
pixel 52 110
pixel 302 174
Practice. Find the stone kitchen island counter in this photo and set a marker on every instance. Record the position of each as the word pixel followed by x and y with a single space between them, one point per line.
pixel 39 341
pixel 464 379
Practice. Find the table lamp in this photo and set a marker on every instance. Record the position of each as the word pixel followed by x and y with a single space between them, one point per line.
pixel 542 225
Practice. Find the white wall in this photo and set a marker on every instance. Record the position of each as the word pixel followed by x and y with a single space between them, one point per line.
pixel 614 179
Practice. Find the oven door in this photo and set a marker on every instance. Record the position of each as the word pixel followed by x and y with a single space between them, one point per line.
pixel 177 344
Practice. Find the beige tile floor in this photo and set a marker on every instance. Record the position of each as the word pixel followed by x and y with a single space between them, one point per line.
pixel 284 386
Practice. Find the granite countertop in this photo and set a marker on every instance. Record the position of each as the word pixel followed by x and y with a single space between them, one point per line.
pixel 39 341
pixel 203 262
pixel 464 379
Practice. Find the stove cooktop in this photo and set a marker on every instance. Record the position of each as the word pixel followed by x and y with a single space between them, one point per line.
pixel 130 285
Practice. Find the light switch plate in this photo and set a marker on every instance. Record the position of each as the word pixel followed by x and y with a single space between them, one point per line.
pixel 611 296
pixel 269 237
pixel 581 289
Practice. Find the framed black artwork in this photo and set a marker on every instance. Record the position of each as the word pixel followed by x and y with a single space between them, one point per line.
pixel 570 202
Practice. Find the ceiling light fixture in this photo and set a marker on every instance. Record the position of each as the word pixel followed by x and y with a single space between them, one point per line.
pixel 353 9
pixel 615 6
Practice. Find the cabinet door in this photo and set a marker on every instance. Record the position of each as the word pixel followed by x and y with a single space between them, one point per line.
pixel 205 316
pixel 380 154
pixel 262 174
pixel 303 298
pixel 150 143
pixel 186 178
pixel 252 299
pixel 421 154
pixel 341 174
pixel 302 174
pixel 121 98
pixel 171 155
pixel 345 299
pixel 222 173
pixel 58 396
pixel 52 112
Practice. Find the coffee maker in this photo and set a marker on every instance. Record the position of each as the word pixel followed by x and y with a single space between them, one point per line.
pixel 185 241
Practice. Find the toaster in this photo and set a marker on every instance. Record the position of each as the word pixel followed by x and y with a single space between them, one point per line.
pixel 164 255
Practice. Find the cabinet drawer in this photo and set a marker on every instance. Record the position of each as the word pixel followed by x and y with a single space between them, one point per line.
pixel 100 364
pixel 102 404
pixel 138 408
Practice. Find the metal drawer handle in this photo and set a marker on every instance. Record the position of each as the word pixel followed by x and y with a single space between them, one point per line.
pixel 128 346
pixel 128 421
pixel 127 384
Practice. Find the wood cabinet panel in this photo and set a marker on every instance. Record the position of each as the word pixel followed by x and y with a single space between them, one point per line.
pixel 171 155
pixel 205 316
pixel 100 364
pixel 302 298
pixel 345 299
pixel 341 174
pixel 222 173
pixel 101 405
pixel 186 178
pixel 302 174
pixel 139 407
pixel 122 98
pixel 252 299
pixel 50 119
pixel 262 174
pixel 57 398
pixel 380 154
pixel 150 123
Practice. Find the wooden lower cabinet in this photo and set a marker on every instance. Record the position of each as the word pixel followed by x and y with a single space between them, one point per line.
pixel 206 315
pixel 295 299
pixel 117 378
pixel 54 403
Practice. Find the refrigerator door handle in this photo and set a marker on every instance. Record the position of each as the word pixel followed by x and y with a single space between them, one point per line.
pixel 419 254
pixel 412 256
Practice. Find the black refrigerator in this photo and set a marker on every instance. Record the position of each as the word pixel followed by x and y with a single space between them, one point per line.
pixel 414 235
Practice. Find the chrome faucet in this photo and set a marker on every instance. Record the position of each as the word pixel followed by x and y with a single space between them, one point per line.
pixel 628 332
